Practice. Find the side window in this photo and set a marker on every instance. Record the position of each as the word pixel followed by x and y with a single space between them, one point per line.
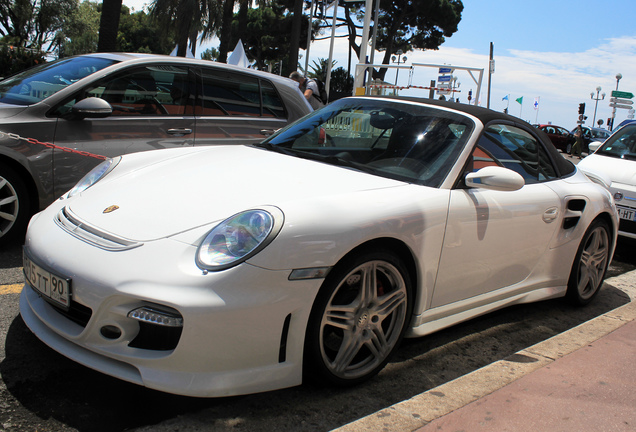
pixel 515 149
pixel 230 94
pixel 227 93
pixel 153 90
pixel 272 104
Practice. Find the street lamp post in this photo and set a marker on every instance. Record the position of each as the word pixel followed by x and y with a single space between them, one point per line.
pixel 400 59
pixel 618 78
pixel 598 89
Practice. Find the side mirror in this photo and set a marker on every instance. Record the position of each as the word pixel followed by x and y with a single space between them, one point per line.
pixel 495 178
pixel 92 107
pixel 593 146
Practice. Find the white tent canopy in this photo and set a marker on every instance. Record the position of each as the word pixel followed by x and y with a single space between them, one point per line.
pixel 238 56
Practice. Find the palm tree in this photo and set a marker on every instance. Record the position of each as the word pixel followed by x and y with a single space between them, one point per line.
pixel 187 18
pixel 109 25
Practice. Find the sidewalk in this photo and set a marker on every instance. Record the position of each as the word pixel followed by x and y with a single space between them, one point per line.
pixel 581 380
pixel 592 389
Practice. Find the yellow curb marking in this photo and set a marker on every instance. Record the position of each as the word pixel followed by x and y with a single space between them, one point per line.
pixel 11 289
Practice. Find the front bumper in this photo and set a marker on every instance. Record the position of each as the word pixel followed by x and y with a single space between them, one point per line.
pixel 625 199
pixel 232 340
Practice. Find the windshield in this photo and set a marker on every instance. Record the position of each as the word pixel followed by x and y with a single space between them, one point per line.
pixel 621 144
pixel 400 140
pixel 602 134
pixel 39 82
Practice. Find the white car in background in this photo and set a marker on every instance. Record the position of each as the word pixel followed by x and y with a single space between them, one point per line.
pixel 616 159
pixel 229 270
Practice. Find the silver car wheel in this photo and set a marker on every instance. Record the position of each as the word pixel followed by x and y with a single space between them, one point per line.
pixel 9 206
pixel 590 264
pixel 363 320
pixel 593 262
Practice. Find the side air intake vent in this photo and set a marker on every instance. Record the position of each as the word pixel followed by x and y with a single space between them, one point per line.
pixel 575 208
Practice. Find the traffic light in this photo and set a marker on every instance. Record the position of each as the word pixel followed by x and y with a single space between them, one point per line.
pixel 581 108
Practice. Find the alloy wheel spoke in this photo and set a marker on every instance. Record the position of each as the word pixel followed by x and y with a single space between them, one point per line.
pixel 342 317
pixel 7 216
pixel 369 284
pixel 378 344
pixel 390 302
pixel 8 200
pixel 350 347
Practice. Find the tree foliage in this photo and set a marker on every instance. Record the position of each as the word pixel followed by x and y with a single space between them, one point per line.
pixel 138 32
pixel 16 59
pixel 406 25
pixel 34 23
pixel 79 33
pixel 263 45
pixel 187 18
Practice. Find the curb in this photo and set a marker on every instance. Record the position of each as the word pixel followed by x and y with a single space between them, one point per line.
pixel 421 409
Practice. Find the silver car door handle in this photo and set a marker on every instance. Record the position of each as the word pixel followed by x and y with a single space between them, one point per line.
pixel 267 132
pixel 179 131
pixel 550 214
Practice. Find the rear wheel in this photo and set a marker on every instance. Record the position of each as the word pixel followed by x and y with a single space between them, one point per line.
pixel 358 319
pixel 590 264
pixel 14 205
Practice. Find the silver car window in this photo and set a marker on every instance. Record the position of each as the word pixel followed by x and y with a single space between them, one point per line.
pixel 156 90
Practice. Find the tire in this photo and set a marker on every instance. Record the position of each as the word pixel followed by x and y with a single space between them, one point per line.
pixel 568 148
pixel 590 264
pixel 353 330
pixel 15 208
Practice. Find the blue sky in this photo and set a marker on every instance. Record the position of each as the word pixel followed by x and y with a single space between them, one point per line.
pixel 558 51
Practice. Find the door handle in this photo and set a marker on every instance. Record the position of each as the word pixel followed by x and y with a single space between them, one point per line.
pixel 267 132
pixel 179 131
pixel 550 214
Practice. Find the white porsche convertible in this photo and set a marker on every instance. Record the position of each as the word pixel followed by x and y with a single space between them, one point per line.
pixel 237 269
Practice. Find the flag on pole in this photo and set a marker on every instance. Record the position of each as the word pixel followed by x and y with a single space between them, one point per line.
pixel 536 102
pixel 505 97
pixel 520 100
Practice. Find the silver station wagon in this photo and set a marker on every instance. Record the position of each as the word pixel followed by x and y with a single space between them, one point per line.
pixel 58 120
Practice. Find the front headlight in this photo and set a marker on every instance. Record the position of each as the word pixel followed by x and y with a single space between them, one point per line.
pixel 94 175
pixel 238 238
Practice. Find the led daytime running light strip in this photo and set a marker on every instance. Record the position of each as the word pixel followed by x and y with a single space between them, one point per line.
pixel 157 317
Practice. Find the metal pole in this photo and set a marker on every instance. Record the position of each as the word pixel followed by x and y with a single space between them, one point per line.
pixel 490 71
pixel 333 38
pixel 311 11
pixel 618 78
pixel 359 77
pixel 375 31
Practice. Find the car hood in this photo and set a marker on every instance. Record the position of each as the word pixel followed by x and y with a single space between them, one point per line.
pixel 190 189
pixel 618 170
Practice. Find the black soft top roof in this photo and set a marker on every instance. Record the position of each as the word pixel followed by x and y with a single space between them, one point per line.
pixel 487 116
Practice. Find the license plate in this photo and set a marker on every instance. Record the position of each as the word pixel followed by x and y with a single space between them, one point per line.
pixel 626 213
pixel 49 285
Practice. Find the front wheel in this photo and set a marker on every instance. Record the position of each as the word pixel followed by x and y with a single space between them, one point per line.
pixel 14 205
pixel 590 264
pixel 358 319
